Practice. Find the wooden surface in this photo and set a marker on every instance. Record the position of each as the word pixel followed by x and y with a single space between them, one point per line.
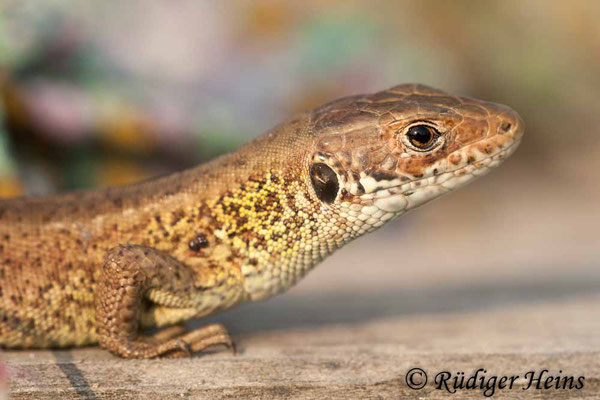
pixel 351 359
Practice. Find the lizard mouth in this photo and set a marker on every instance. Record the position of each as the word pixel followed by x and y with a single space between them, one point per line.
pixel 414 193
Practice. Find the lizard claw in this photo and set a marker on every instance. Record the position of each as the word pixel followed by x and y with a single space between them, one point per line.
pixel 184 347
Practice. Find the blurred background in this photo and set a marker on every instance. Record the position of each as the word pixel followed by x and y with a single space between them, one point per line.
pixel 105 93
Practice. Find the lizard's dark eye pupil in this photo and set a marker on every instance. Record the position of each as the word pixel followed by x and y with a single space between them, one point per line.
pixel 422 136
pixel 325 182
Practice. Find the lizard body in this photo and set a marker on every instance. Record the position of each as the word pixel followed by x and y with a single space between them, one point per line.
pixel 96 266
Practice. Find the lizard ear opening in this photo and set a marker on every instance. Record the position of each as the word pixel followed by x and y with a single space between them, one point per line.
pixel 325 182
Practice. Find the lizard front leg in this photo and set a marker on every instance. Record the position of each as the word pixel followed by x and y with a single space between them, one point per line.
pixel 133 275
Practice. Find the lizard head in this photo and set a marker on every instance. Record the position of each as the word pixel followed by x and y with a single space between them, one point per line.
pixel 346 168
pixel 377 156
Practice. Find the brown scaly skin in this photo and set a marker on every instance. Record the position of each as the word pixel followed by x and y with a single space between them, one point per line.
pixel 95 267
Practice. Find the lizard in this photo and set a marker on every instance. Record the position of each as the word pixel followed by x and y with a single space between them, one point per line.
pixel 101 266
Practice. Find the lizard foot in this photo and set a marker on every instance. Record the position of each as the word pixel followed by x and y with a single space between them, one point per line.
pixel 202 338
pixel 144 348
pixel 128 274
pixel 172 343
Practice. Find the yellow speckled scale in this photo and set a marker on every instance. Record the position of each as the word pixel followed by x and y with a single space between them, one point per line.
pixel 96 267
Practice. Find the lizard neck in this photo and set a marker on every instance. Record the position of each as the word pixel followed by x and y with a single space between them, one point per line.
pixel 278 228
pixel 270 226
pixel 257 211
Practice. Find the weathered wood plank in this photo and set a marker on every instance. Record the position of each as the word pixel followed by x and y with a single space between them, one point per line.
pixel 356 359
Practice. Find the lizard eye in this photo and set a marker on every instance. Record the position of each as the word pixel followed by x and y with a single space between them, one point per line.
pixel 325 182
pixel 422 137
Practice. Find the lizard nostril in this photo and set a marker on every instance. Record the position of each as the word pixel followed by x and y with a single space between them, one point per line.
pixel 505 126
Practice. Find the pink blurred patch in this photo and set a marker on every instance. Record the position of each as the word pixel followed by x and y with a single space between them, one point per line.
pixel 60 111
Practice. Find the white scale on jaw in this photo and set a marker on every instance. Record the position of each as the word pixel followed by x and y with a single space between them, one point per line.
pixel 390 198
pixel 384 200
